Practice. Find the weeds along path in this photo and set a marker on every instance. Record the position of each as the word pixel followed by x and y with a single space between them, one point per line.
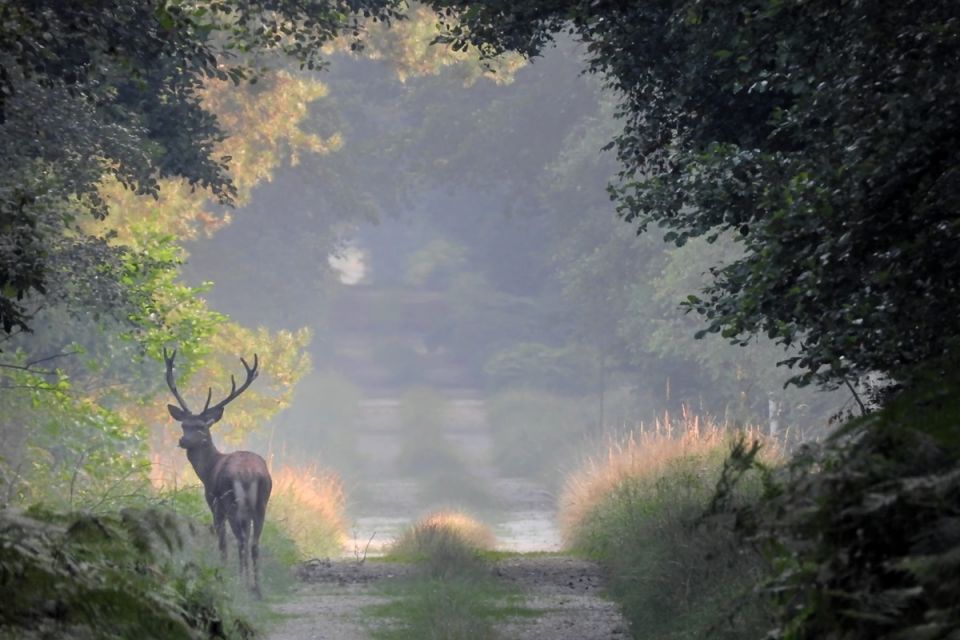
pixel 553 598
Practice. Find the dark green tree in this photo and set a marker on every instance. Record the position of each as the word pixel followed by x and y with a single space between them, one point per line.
pixel 823 133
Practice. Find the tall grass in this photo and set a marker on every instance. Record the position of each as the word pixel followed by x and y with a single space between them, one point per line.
pixel 306 509
pixel 639 510
pixel 308 505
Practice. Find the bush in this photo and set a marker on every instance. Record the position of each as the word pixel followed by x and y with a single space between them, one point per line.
pixel 865 528
pixel 136 573
pixel 425 452
pixel 321 421
pixel 278 552
pixel 640 511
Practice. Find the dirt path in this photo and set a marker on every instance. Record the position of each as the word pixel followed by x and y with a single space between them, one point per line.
pixel 567 595
pixel 564 593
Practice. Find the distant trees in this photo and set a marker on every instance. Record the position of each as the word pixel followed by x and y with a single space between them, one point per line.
pixel 822 134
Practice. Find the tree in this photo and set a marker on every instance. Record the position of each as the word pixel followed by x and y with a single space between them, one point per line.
pixel 823 134
pixel 114 89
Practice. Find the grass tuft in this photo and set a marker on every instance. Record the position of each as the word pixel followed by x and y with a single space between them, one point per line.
pixel 444 543
pixel 453 595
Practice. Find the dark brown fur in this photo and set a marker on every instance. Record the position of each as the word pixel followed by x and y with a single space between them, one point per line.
pixel 236 485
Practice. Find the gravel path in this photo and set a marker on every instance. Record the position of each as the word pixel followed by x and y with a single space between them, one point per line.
pixel 565 593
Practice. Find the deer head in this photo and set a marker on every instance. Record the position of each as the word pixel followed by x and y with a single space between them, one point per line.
pixel 196 426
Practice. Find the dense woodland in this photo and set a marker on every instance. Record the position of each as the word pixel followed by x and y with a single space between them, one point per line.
pixel 605 211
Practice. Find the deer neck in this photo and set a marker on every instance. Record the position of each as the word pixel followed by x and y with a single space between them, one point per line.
pixel 203 459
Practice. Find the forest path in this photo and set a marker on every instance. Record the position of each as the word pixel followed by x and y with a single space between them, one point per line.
pixel 563 597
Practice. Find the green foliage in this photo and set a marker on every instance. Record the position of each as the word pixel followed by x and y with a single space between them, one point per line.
pixel 862 529
pixel 795 126
pixel 113 89
pixel 676 573
pixel 434 263
pixel 136 573
pixel 278 551
pixel 63 450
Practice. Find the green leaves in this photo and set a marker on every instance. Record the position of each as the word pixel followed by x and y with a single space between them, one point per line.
pixel 823 133
pixel 137 573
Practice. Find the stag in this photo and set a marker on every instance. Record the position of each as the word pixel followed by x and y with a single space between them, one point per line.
pixel 236 485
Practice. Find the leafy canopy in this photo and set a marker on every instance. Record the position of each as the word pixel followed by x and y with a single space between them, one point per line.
pixel 114 89
pixel 823 134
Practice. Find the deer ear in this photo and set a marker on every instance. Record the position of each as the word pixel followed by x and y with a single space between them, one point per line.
pixel 177 413
pixel 214 415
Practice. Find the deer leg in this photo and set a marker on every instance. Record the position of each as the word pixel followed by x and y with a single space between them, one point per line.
pixel 255 548
pixel 241 530
pixel 220 527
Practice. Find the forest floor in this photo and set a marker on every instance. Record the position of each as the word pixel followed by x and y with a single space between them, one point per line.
pixel 561 598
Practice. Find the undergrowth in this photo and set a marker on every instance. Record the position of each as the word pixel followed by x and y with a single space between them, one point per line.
pixel 640 509
pixel 865 528
pixel 152 569
pixel 452 595
pixel 137 573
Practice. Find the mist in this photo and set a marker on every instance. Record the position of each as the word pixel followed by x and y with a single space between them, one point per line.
pixel 481 319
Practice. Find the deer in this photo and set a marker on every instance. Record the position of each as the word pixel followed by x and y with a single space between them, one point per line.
pixel 236 485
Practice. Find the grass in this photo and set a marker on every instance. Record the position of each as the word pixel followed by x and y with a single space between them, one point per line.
pixel 444 541
pixel 638 510
pixel 452 595
pixel 308 505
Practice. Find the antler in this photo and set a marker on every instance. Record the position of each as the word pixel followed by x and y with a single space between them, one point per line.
pixel 171 381
pixel 252 374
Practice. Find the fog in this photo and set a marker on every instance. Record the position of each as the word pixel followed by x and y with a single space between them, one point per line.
pixel 480 317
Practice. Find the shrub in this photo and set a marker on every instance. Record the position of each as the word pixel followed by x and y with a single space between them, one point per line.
pixel 136 573
pixel 426 453
pixel 640 511
pixel 865 527
pixel 278 551
pixel 321 420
